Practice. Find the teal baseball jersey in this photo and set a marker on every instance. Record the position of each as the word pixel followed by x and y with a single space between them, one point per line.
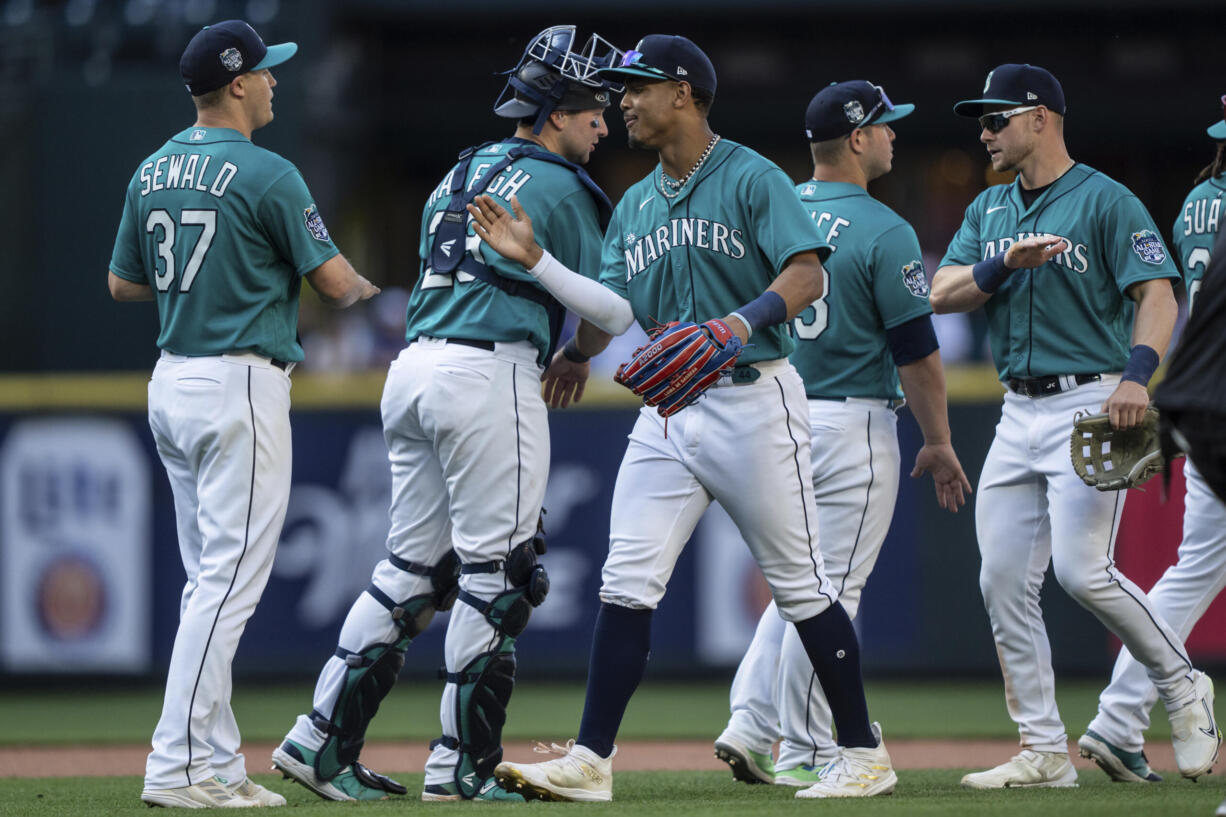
pixel 1069 316
pixel 874 281
pixel 565 222
pixel 1196 229
pixel 223 231
pixel 713 248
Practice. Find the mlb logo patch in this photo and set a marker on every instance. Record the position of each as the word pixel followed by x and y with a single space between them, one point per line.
pixel 197 135
pixel 231 59
pixel 315 223
pixel 914 279
pixel 1148 247
pixel 809 190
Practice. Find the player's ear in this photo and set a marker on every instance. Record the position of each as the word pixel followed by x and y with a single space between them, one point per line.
pixel 558 119
pixel 682 94
pixel 238 85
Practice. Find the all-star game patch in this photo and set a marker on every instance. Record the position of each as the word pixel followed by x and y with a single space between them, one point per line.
pixel 913 277
pixel 315 223
pixel 1148 247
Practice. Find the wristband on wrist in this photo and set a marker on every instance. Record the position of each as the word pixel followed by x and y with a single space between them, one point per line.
pixel 571 351
pixel 768 309
pixel 744 320
pixel 991 273
pixel 1141 364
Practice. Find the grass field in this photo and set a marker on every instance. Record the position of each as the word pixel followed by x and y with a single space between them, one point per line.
pixel 678 794
pixel 660 711
pixel 665 711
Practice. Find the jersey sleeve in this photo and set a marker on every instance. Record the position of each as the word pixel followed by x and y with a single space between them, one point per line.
pixel 613 258
pixel 294 225
pixel 781 225
pixel 900 287
pixel 126 257
pixel 964 248
pixel 573 233
pixel 1132 245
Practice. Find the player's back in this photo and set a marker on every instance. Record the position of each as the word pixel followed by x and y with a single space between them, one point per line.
pixel 1196 228
pixel 210 239
pixel 874 281
pixel 565 223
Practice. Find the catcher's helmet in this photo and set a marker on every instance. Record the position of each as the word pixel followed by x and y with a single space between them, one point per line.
pixel 552 77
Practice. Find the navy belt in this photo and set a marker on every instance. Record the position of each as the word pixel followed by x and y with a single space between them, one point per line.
pixel 280 364
pixel 1051 384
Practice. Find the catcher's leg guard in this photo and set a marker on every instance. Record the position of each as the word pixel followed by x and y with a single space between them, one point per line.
pixel 373 671
pixel 485 684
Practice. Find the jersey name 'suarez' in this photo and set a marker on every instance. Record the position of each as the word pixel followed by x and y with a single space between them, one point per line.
pixel 1202 216
pixel 186 171
pixel 1074 256
pixel 702 233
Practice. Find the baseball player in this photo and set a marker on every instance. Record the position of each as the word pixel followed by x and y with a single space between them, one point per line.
pixel 714 231
pixel 468 437
pixel 871 329
pixel 1076 284
pixel 220 233
pixel 1115 738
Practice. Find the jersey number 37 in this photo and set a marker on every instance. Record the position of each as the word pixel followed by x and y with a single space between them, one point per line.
pixel 163 227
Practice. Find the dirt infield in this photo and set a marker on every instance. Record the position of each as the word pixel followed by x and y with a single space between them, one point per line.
pixel 84 761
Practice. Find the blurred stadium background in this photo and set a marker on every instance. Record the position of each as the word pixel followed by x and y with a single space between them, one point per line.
pixel 380 98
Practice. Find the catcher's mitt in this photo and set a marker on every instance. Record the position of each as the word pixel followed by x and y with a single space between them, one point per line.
pixel 681 361
pixel 1113 459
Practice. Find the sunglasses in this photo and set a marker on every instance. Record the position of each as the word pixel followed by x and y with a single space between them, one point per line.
pixel 634 59
pixel 883 102
pixel 996 122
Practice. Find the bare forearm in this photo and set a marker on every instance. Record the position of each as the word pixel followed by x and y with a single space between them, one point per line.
pixel 954 290
pixel 125 290
pixel 591 339
pixel 923 383
pixel 799 284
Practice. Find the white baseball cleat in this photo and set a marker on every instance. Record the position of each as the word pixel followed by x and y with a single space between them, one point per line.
pixel 211 793
pixel 254 791
pixel 1194 732
pixel 579 775
pixel 1029 769
pixel 856 772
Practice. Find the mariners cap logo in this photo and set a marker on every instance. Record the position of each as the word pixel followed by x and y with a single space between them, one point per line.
pixel 854 111
pixel 231 59
pixel 987 83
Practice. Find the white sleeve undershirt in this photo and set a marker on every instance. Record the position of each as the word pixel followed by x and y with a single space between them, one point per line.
pixel 588 299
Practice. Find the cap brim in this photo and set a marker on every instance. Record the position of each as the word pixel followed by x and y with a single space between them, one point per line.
pixel 974 107
pixel 899 112
pixel 1217 131
pixel 626 73
pixel 276 55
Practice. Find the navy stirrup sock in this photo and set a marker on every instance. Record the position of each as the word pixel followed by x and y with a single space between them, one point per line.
pixel 621 643
pixel 834 649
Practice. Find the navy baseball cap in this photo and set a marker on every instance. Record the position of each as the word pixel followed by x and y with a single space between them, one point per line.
pixel 1014 84
pixel 666 56
pixel 841 107
pixel 221 52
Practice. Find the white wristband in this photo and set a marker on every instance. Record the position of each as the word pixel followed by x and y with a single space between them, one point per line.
pixel 748 325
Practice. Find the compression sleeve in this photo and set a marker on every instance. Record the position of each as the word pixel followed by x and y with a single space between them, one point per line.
pixel 588 299
pixel 913 340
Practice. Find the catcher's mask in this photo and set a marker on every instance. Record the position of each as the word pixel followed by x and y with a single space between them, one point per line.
pixel 551 76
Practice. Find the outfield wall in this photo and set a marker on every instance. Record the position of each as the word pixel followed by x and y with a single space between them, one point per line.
pixel 90 574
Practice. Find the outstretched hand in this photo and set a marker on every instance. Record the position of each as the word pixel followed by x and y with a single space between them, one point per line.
pixel 564 381
pixel 947 476
pixel 509 236
pixel 1034 251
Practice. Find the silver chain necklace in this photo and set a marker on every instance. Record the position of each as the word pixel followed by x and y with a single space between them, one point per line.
pixel 671 189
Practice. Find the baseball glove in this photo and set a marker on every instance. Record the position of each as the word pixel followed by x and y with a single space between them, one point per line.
pixel 1114 459
pixel 681 361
